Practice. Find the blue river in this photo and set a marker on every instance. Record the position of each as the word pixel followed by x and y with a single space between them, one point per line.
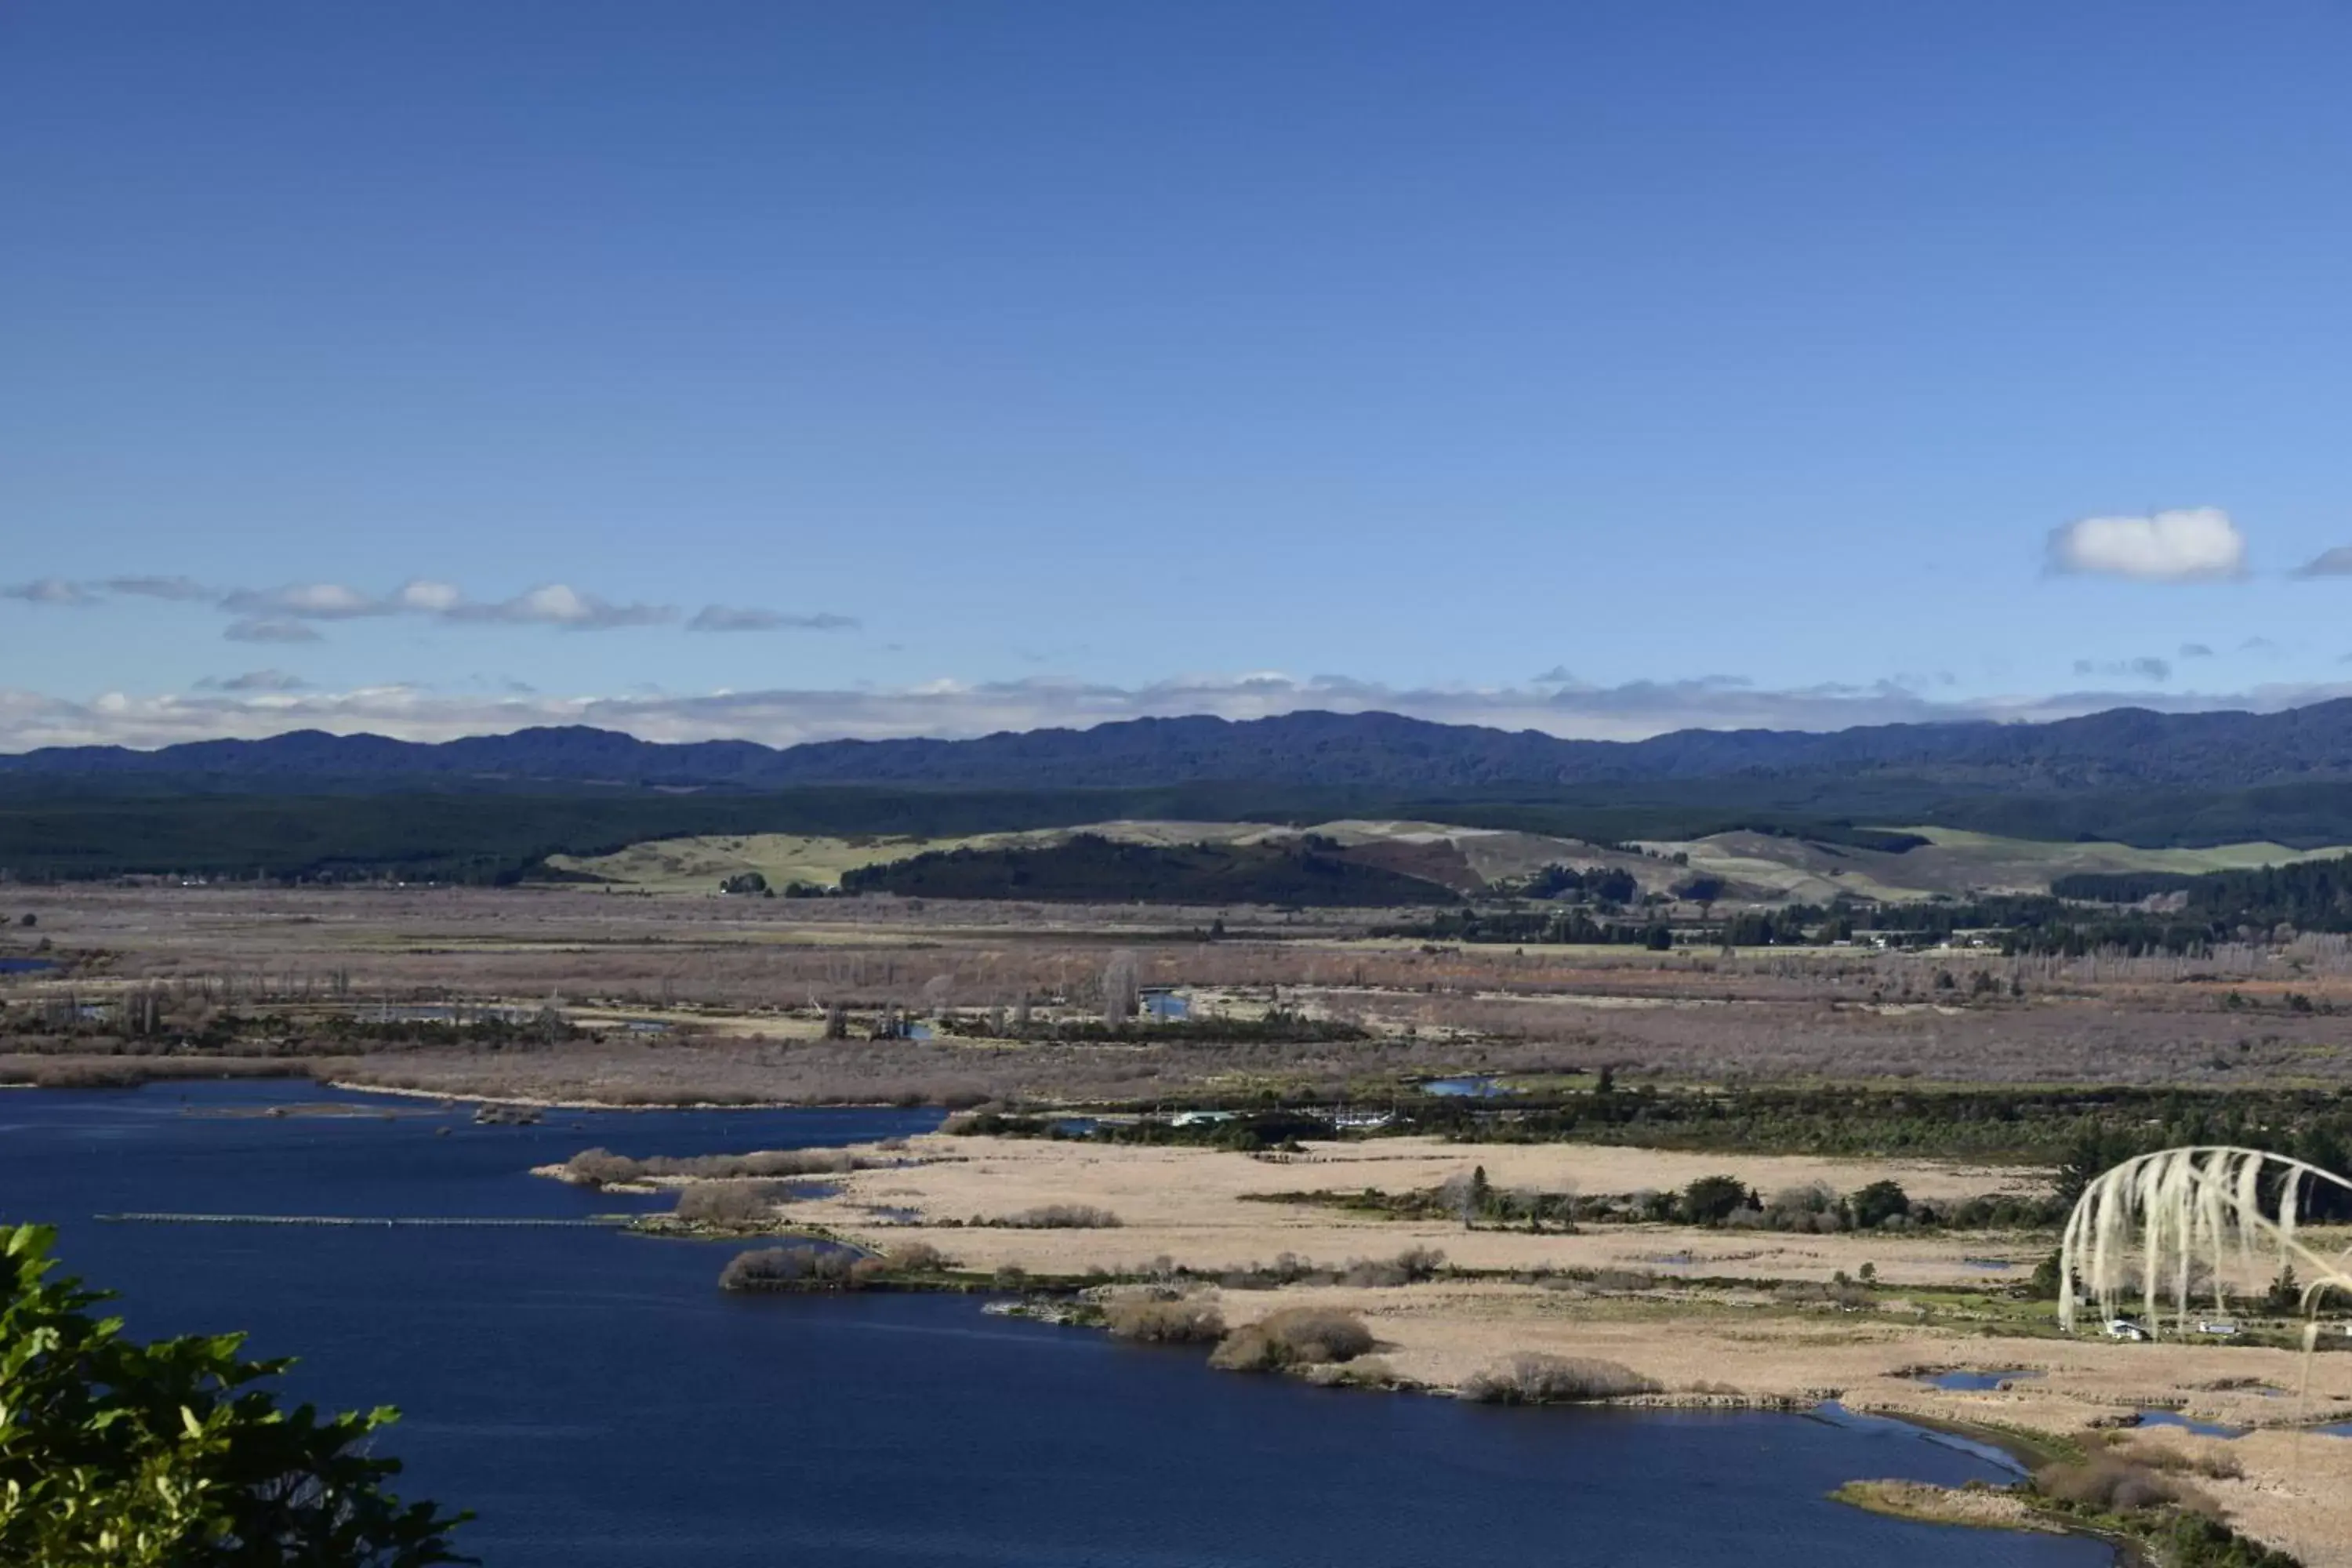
pixel 599 1404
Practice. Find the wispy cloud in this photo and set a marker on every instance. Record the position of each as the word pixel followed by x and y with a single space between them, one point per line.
pixel 2195 650
pixel 2145 668
pixel 549 604
pixel 2336 562
pixel 183 590
pixel 2194 544
pixel 264 615
pixel 950 708
pixel 49 591
pixel 560 605
pixel 730 618
pixel 254 680
pixel 304 601
pixel 270 630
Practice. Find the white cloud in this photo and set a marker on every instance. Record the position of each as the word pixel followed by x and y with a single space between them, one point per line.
pixel 427 596
pixel 49 591
pixel 561 604
pixel 2191 545
pixel 266 629
pixel 728 618
pixel 955 709
pixel 2336 562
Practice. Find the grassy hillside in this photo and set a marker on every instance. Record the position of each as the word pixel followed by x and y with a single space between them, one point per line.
pixel 1757 866
pixel 1953 862
pixel 481 834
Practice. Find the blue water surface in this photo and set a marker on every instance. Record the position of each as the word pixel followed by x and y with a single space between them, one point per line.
pixel 601 1404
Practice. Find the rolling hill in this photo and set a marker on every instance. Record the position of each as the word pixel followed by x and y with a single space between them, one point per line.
pixel 494 808
pixel 2123 748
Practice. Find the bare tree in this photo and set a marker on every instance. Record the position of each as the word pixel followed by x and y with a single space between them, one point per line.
pixel 1121 991
pixel 1464 1194
pixel 936 991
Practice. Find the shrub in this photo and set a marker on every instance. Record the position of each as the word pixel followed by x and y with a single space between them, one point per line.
pixel 1364 1372
pixel 1165 1322
pixel 601 1167
pixel 1532 1377
pixel 1711 1200
pixel 798 1268
pixel 1838 1293
pixel 730 1203
pixel 2210 1461
pixel 1293 1336
pixel 1060 1217
pixel 1409 1267
pixel 2112 1485
pixel 915 1258
pixel 2196 1542
pixel 1790 1201
pixel 1877 1203
pixel 1623 1281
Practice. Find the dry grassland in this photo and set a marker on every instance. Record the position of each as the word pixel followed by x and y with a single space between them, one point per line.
pixel 1719 1344
pixel 745 983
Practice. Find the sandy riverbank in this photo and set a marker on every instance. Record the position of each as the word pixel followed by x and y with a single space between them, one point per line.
pixel 1731 1341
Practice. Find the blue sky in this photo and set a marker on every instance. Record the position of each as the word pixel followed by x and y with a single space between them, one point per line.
pixel 1603 369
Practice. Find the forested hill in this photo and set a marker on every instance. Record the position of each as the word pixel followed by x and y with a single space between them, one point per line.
pixel 2124 748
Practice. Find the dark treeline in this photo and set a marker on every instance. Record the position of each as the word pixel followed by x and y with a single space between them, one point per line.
pixel 491 830
pixel 2080 1132
pixel 2037 923
pixel 2312 895
pixel 1710 1201
pixel 1789 925
pixel 1279 1026
pixel 1091 868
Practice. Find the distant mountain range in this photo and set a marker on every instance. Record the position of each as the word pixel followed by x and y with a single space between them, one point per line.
pixel 2121 748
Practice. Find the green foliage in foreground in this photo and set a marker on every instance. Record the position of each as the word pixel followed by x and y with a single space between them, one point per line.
pixel 115 1454
pixel 2193 1541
